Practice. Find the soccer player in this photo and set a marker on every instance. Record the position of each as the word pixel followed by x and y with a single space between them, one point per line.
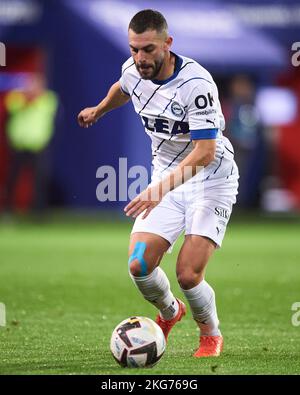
pixel 194 182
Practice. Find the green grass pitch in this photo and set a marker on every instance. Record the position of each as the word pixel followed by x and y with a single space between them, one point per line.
pixel 65 287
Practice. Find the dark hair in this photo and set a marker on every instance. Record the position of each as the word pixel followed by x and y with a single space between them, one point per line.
pixel 148 20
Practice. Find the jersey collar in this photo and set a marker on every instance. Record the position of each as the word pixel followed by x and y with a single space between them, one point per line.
pixel 178 63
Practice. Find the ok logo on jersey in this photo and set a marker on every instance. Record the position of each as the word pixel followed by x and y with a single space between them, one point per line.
pixel 161 125
pixel 202 101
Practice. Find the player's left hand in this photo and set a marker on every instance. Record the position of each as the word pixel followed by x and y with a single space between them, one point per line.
pixel 146 200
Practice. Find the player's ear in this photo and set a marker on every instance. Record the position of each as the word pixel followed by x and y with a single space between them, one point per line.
pixel 168 42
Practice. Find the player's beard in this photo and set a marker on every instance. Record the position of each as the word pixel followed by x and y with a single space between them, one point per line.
pixel 149 71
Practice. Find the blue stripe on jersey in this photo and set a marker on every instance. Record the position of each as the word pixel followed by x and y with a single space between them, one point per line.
pixel 186 65
pixel 204 134
pixel 194 78
pixel 126 93
pixel 178 64
pixel 127 67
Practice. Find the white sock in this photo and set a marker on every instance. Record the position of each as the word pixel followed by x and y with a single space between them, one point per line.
pixel 203 306
pixel 155 288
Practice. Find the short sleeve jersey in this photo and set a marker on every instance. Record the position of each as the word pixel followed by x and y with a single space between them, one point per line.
pixel 177 110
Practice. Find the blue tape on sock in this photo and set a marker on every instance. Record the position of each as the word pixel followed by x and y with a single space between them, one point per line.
pixel 138 254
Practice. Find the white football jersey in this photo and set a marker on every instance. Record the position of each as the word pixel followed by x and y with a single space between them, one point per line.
pixel 177 110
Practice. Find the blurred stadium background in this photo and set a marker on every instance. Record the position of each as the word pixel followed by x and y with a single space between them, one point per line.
pixel 58 242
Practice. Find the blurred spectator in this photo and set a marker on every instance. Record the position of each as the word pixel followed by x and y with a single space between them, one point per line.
pixel 246 134
pixel 30 127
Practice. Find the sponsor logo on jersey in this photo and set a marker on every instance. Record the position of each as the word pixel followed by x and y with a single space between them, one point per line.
pixel 177 109
pixel 163 125
pixel 206 112
pixel 202 101
pixel 222 212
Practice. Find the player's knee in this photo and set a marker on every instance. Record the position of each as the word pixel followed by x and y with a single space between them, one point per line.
pixel 138 267
pixel 188 279
pixel 135 268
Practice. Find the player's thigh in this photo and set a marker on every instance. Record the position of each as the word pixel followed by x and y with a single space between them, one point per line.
pixel 192 260
pixel 145 252
pixel 151 237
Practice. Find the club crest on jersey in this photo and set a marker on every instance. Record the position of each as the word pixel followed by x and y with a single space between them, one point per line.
pixel 176 109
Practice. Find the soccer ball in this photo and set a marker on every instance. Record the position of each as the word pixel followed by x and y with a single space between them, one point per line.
pixel 137 342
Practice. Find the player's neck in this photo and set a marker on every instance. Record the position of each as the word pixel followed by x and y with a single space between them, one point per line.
pixel 168 68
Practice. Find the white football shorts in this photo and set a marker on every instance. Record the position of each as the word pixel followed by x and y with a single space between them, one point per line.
pixel 198 208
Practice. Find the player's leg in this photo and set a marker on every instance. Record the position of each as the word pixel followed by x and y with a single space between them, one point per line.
pixel 150 239
pixel 190 269
pixel 192 261
pixel 145 253
pixel 147 247
pixel 206 223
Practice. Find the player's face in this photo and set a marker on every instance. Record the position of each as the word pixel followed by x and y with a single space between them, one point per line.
pixel 148 50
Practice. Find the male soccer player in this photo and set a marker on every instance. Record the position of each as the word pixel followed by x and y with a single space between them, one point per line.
pixel 177 100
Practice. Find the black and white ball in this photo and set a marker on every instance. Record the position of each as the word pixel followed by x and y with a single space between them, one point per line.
pixel 137 342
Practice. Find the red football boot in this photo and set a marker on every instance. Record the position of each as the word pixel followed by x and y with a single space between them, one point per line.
pixel 167 325
pixel 210 346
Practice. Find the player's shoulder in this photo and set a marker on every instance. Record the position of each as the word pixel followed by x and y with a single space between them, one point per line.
pixel 192 72
pixel 128 66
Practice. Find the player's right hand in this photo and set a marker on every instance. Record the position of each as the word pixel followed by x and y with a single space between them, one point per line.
pixel 88 117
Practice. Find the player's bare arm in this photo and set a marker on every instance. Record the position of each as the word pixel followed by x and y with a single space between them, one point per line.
pixel 115 98
pixel 202 154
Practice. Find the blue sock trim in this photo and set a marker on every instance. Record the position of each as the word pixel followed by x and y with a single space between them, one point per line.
pixel 138 254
